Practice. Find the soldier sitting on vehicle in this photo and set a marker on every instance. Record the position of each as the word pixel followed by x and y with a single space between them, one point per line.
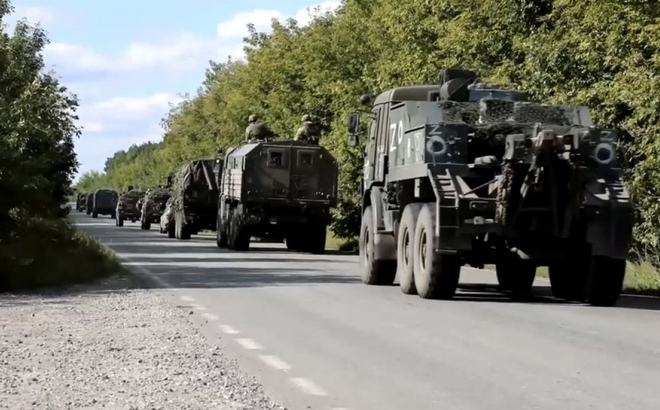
pixel 257 130
pixel 308 132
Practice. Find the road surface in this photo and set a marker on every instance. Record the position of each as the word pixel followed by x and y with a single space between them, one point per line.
pixel 317 338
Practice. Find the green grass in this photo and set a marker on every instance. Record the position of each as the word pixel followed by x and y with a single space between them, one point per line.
pixel 48 253
pixel 338 244
pixel 641 277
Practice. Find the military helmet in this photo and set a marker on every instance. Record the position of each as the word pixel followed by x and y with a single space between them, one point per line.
pixel 306 118
pixel 252 118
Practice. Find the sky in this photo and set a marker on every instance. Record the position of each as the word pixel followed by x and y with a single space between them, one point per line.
pixel 128 61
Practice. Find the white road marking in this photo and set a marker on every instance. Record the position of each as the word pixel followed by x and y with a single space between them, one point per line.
pixel 229 330
pixel 187 299
pixel 209 316
pixel 198 307
pixel 275 362
pixel 249 344
pixel 308 386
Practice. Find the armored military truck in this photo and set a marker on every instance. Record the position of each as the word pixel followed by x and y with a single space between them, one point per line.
pixel 195 197
pixel 280 189
pixel 105 203
pixel 153 206
pixel 127 206
pixel 470 173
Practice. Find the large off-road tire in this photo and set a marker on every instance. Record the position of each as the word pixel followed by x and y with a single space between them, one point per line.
pixel 95 214
pixel 221 238
pixel 293 242
pixel 315 239
pixel 605 280
pixel 404 248
pixel 119 219
pixel 436 275
pixel 147 225
pixel 171 229
pixel 182 232
pixel 374 272
pixel 515 275
pixel 88 211
pixel 238 238
pixel 568 278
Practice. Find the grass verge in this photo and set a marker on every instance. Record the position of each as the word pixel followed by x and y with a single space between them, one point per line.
pixel 344 245
pixel 48 253
pixel 641 277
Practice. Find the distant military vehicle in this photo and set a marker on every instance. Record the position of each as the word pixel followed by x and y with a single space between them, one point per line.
pixel 195 194
pixel 127 206
pixel 80 201
pixel 470 173
pixel 105 203
pixel 153 206
pixel 282 189
pixel 89 203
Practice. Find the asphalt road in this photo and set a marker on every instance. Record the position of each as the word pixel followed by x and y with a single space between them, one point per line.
pixel 317 338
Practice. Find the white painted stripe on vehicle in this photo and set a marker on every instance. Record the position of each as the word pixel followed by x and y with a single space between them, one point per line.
pixel 275 362
pixel 187 299
pixel 229 330
pixel 209 316
pixel 307 386
pixel 249 344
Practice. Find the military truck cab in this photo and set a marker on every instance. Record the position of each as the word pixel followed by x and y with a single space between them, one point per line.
pixel 472 173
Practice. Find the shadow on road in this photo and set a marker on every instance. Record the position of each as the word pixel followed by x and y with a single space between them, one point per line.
pixel 543 295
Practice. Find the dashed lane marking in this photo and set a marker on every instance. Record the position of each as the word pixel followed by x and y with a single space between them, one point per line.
pixel 307 386
pixel 209 316
pixel 228 329
pixel 275 362
pixel 187 299
pixel 249 344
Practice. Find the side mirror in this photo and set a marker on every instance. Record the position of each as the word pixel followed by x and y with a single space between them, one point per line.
pixel 352 140
pixel 353 122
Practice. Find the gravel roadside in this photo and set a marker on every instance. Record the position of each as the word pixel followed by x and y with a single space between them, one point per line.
pixel 112 346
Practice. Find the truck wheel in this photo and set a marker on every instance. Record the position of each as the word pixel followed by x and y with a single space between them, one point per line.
pixel 119 220
pixel 182 232
pixel 515 275
pixel 316 238
pixel 436 276
pixel 220 234
pixel 374 271
pixel 404 247
pixel 95 214
pixel 605 280
pixel 568 277
pixel 293 242
pixel 239 239
pixel 171 229
pixel 147 225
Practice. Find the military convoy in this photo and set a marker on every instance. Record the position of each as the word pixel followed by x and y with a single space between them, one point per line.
pixel 276 189
pixel 460 173
pixel 470 173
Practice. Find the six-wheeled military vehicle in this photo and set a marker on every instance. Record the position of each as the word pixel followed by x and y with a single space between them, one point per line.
pixel 195 193
pixel 470 173
pixel 104 203
pixel 282 189
pixel 153 206
pixel 127 206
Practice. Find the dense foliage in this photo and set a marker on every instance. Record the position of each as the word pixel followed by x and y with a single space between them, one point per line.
pixel 37 161
pixel 601 53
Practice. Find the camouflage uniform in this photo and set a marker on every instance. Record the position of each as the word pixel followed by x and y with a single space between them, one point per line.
pixel 308 132
pixel 256 129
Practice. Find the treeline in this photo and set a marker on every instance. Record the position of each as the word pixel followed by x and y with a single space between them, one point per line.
pixel 601 53
pixel 37 165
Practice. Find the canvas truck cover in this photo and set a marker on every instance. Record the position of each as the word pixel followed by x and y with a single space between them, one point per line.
pixel 195 180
